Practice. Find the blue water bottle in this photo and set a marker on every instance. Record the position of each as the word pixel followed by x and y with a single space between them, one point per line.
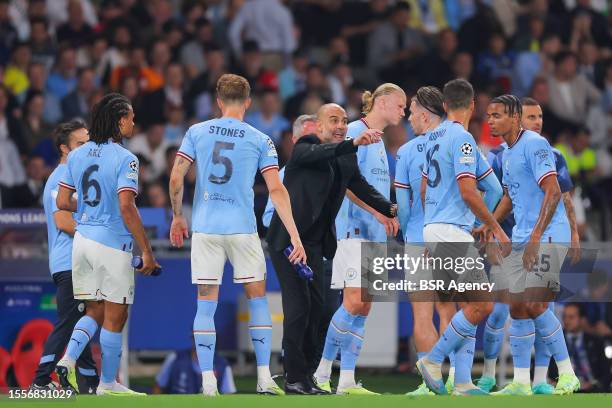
pixel 137 263
pixel 301 268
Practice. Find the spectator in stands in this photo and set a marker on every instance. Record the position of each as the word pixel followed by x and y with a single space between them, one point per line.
pixel 29 194
pixel 181 374
pixel 15 74
pixel 175 127
pixel 436 65
pixel 292 79
pixel 160 58
pixel 41 43
pixel 157 196
pixel 588 24
pixel 598 312
pixel 63 79
pixel 530 40
pixel 340 80
pixel 269 24
pixel 586 352
pixel 152 146
pixel 268 118
pixel 192 53
pixel 394 48
pixel 12 172
pixel 118 54
pixel 571 94
pixel 37 75
pixel 8 33
pixel 10 127
pixel 428 16
pixel 316 86
pixel 75 31
pixel 530 64
pixel 495 64
pixel 202 89
pixel 154 103
pixel 589 57
pixel 252 68
pixel 76 103
pixel 581 159
pixel 34 127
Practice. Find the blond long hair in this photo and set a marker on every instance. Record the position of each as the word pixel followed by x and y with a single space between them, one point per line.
pixel 368 98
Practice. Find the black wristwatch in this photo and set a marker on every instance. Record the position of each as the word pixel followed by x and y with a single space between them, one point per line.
pixel 393 210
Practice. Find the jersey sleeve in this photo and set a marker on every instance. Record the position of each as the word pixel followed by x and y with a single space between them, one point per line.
pixel 66 180
pixel 540 158
pixel 563 176
pixel 464 155
pixel 187 149
pixel 268 158
pixel 127 177
pixel 402 177
pixel 483 169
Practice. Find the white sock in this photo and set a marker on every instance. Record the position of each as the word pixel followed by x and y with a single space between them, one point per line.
pixel 324 370
pixel 66 360
pixel 451 372
pixel 521 375
pixel 489 367
pixel 209 381
pixel 347 379
pixel 263 375
pixel 565 367
pixel 540 374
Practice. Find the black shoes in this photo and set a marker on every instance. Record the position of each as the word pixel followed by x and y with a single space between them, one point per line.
pixel 303 388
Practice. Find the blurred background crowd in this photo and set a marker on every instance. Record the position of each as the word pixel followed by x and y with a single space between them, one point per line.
pixel 58 57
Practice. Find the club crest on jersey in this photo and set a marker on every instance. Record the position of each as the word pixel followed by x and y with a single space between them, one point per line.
pixel 133 165
pixel 466 149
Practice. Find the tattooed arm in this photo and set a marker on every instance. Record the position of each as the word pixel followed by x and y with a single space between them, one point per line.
pixel 571 217
pixel 178 229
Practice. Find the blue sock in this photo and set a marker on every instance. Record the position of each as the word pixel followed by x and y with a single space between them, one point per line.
pixel 452 359
pixel 421 354
pixel 260 329
pixel 494 331
pixel 354 340
pixel 549 329
pixel 464 360
pixel 522 335
pixel 83 332
pixel 204 333
pixel 339 326
pixel 458 329
pixel 110 343
pixel 542 354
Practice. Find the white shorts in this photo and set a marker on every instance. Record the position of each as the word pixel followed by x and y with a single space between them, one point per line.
pixel 347 271
pixel 100 272
pixel 449 241
pixel 210 251
pixel 512 276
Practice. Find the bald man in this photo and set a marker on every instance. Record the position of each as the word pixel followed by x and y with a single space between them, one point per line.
pixel 316 176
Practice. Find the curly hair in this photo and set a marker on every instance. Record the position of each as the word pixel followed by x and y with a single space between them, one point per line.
pixel 105 117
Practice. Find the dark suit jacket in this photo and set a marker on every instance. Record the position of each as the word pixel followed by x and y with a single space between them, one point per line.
pixel 309 176
pixel 71 106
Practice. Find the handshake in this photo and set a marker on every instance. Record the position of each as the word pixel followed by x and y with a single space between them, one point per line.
pixel 301 268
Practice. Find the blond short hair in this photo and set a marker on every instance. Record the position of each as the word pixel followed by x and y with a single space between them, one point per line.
pixel 233 88
pixel 368 98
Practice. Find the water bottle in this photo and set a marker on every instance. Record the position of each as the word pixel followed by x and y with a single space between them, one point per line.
pixel 137 263
pixel 301 268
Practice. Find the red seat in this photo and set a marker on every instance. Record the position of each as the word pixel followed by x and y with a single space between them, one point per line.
pixel 5 363
pixel 28 349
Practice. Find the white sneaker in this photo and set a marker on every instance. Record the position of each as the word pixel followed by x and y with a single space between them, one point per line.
pixel 117 390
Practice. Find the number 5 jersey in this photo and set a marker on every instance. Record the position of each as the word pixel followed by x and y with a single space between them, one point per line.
pixel 98 173
pixel 227 153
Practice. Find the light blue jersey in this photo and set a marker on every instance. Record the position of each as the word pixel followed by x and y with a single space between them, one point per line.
pixel 525 164
pixel 353 221
pixel 408 170
pixel 228 153
pixel 98 173
pixel 60 243
pixel 451 154
pixel 269 211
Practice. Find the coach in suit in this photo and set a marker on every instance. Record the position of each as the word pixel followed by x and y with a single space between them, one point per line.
pixel 316 176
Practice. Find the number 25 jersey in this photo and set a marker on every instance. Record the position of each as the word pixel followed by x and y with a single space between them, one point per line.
pixel 227 153
pixel 451 154
pixel 98 173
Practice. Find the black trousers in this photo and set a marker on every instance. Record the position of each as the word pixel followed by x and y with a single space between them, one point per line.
pixel 303 309
pixel 69 311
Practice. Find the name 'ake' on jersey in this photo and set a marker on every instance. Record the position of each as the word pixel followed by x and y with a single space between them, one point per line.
pixel 525 165
pixel 408 175
pixel 60 243
pixel 98 173
pixel 227 153
pixel 451 154
pixel 352 221
pixel 495 157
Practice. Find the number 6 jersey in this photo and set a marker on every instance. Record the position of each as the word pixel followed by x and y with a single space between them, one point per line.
pixel 98 173
pixel 227 153
pixel 451 154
